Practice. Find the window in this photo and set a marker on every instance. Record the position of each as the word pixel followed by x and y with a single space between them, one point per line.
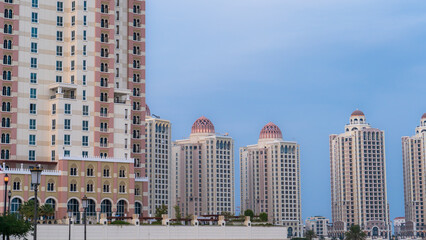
pixel 32 139
pixel 50 187
pixel 34 3
pixel 31 155
pixel 67 124
pixel 84 80
pixel 32 124
pixel 33 62
pixel 90 172
pixel 73 6
pixel 53 124
pixel 89 187
pixel 85 110
pixel 16 186
pixel 85 153
pixel 85 125
pixel 73 187
pixel 34 17
pixel 33 93
pixel 33 108
pixel 53 153
pixel 122 173
pixel 58 65
pixel 72 35
pixel 72 67
pixel 72 50
pixel 106 188
pixel 84 35
pixel 122 188
pixel 85 5
pixel 54 108
pixel 72 20
pixel 58 78
pixel 67 108
pixel 73 171
pixel 85 141
pixel 67 139
pixel 34 32
pixel 84 50
pixel 84 65
pixel 34 47
pixel 85 20
pixel 106 172
pixel 33 77
pixel 53 140
pixel 59 36
pixel 58 50
pixel 72 79
pixel 59 21
pixel 60 6
pixel 84 94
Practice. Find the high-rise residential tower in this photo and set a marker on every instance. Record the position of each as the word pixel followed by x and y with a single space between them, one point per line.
pixel 270 179
pixel 358 179
pixel 73 80
pixel 414 165
pixel 202 171
pixel 158 153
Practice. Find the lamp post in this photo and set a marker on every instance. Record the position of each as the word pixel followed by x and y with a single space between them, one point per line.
pixel 6 181
pixel 69 223
pixel 85 203
pixel 10 197
pixel 35 180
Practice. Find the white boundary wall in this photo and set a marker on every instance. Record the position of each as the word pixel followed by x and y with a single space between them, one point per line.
pixel 103 232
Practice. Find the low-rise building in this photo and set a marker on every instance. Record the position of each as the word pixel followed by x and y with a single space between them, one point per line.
pixel 317 224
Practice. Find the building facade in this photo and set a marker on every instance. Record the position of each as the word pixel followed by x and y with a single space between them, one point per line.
pixel 73 81
pixel 358 179
pixel 270 179
pixel 158 154
pixel 414 160
pixel 202 171
pixel 318 224
pixel 398 225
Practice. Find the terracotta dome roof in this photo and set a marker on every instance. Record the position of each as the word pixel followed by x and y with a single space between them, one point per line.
pixel 424 115
pixel 148 111
pixel 357 113
pixel 270 130
pixel 202 125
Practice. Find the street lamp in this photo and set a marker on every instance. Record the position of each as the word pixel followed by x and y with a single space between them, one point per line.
pixel 6 181
pixel 85 203
pixel 35 181
pixel 10 197
pixel 69 223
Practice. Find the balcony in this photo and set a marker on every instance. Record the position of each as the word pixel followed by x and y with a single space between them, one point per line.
pixel 63 90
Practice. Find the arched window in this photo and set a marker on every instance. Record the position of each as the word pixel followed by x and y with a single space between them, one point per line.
pixel 91 208
pixel 74 207
pixel 106 171
pixel 52 203
pixel 121 208
pixel 122 188
pixel 375 231
pixel 106 207
pixel 15 204
pixel 290 232
pixel 138 208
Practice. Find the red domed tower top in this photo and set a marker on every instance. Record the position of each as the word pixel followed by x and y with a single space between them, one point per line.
pixel 270 130
pixel 148 111
pixel 424 116
pixel 357 113
pixel 202 125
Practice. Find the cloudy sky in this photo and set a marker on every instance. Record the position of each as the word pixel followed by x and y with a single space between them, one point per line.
pixel 304 65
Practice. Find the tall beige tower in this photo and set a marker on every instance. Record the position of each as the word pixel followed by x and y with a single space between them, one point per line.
pixel 358 179
pixel 414 162
pixel 202 171
pixel 158 153
pixel 270 179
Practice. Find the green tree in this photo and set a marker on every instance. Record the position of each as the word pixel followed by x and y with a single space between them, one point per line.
pixel 249 213
pixel 27 210
pixel 226 214
pixel 159 211
pixel 263 217
pixel 310 234
pixel 46 211
pixel 178 213
pixel 355 233
pixel 13 226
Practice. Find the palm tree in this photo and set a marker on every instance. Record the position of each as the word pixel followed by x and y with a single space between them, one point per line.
pixel 355 233
pixel 310 234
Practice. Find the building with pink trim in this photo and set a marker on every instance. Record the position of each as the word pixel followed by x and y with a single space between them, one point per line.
pixel 202 171
pixel 270 179
pixel 358 179
pixel 73 81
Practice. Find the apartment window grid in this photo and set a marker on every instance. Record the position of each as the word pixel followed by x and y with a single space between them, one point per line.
pixel 34 47
pixel 60 6
pixel 67 108
pixel 32 155
pixel 33 93
pixel 33 62
pixel 34 32
pixel 34 17
pixel 67 139
pixel 33 77
pixel 34 3
pixel 32 124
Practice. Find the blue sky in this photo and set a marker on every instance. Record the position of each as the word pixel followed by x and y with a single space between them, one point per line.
pixel 304 65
